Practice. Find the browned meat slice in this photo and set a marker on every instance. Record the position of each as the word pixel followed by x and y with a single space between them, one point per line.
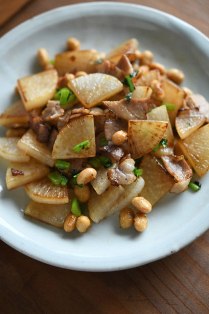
pixel 180 170
pixel 52 138
pixel 52 111
pixel 63 120
pixel 199 102
pixel 41 128
pixel 123 173
pixel 125 65
pixel 115 152
pixel 43 133
pixel 110 68
pixel 131 110
pixel 113 125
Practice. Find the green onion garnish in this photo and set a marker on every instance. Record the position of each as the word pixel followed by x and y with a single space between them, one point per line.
pixel 103 141
pixel 194 186
pixel 57 179
pixel 138 172
pixel 95 162
pixel 65 96
pixel 129 83
pixel 128 96
pixel 83 145
pixel 64 181
pixel 74 181
pixel 169 106
pixel 62 164
pixel 163 143
pixel 52 62
pixel 75 207
pixel 105 161
pixel 134 73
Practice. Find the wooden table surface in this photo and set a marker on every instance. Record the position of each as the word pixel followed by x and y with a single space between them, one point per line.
pixel 176 284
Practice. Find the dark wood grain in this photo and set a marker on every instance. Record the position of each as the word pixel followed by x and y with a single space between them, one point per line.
pixel 9 8
pixel 176 284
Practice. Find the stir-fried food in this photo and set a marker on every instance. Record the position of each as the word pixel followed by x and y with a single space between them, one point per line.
pixel 94 134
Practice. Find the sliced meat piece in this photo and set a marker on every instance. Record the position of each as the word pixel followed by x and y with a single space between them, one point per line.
pixel 198 101
pixel 131 110
pixel 115 152
pixel 43 133
pixel 113 125
pixel 52 111
pixel 177 167
pixel 63 120
pixel 110 68
pixel 52 138
pixel 41 129
pixel 123 174
pixel 125 65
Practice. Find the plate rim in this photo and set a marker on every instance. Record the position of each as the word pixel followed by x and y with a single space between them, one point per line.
pixel 6 232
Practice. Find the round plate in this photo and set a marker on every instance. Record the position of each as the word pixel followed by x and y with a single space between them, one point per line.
pixel 177 219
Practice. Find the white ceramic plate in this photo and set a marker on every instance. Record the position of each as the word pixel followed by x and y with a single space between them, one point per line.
pixel 177 220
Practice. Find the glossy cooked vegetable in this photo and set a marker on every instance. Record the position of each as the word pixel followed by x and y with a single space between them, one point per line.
pixel 93 134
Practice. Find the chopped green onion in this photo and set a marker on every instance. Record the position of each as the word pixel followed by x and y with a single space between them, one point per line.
pixel 105 161
pixel 163 143
pixel 83 145
pixel 129 83
pixel 194 186
pixel 57 179
pixel 62 164
pixel 75 207
pixel 169 106
pixel 138 172
pixel 65 96
pixel 64 181
pixel 128 97
pixel 95 162
pixel 103 141
pixel 134 73
pixel 52 62
pixel 74 181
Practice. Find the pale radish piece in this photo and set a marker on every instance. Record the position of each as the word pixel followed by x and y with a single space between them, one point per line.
pixel 74 61
pixel 100 205
pixel 94 88
pixel 37 89
pixel 142 92
pixel 30 145
pixel 173 95
pixel 129 46
pixel 44 191
pixel 76 132
pixel 113 199
pixel 144 136
pixel 160 114
pixel 10 150
pixel 188 121
pixel 49 213
pixel 19 174
pixel 15 132
pixel 196 150
pixel 101 183
pixel 15 115
pixel 157 181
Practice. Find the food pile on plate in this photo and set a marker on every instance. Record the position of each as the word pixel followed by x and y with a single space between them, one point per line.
pixel 93 134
